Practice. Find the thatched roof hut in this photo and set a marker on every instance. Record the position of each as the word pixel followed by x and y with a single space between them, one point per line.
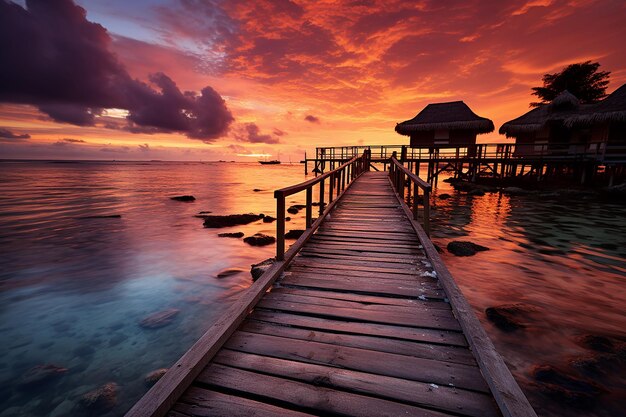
pixel 452 123
pixel 567 110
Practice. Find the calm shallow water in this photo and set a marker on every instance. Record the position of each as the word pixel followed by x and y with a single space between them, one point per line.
pixel 73 289
pixel 564 262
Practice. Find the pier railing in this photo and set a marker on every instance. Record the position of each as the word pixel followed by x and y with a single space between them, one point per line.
pixel 338 180
pixel 597 151
pixel 407 186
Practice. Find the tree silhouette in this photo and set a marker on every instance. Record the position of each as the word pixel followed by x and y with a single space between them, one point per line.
pixel 582 80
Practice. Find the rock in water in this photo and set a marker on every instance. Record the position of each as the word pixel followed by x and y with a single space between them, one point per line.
pixel 228 272
pixel 154 376
pixel 294 234
pixel 259 239
pixel 296 208
pixel 159 319
pixel 183 198
pixel 236 234
pixel 444 196
pixel 215 222
pixel 101 399
pixel 269 219
pixel 40 375
pixel 571 390
pixel 462 248
pixel 505 316
pixel 259 269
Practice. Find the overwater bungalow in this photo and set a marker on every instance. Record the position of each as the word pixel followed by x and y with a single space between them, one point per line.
pixel 566 126
pixel 445 124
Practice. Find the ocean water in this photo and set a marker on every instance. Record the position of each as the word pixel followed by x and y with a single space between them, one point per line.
pixel 74 287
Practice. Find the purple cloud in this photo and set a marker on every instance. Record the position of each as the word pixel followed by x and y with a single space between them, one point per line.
pixel 57 60
pixel 7 134
pixel 312 119
pixel 251 133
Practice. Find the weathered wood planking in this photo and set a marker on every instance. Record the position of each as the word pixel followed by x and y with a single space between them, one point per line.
pixel 357 325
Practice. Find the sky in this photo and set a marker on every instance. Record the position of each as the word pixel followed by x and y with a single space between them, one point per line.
pixel 241 79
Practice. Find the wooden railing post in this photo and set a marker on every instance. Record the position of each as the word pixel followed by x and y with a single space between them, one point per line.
pixel 415 202
pixel 331 187
pixel 427 212
pixel 280 226
pixel 321 197
pixel 309 206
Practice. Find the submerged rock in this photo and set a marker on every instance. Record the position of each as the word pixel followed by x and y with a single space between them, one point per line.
pixel 294 234
pixel 269 219
pixel 228 272
pixel 259 239
pixel 464 248
pixel 259 269
pixel 183 198
pixel 296 208
pixel 477 192
pixel 506 317
pixel 159 319
pixel 444 196
pixel 257 190
pixel 235 234
pixel 41 374
pixel 570 390
pixel 101 399
pixel 214 221
pixel 154 376
pixel 597 343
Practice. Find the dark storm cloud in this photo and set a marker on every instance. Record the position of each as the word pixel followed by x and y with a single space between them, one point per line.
pixel 7 134
pixel 54 58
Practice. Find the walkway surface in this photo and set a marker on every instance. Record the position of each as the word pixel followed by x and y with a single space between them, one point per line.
pixel 357 326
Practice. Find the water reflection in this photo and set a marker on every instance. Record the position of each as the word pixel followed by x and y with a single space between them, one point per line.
pixel 563 263
pixel 75 287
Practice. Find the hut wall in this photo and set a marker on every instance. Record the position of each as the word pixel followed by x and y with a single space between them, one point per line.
pixel 422 139
pixel 443 138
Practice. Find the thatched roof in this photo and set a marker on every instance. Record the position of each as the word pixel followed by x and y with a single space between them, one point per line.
pixel 451 116
pixel 567 109
pixel 611 109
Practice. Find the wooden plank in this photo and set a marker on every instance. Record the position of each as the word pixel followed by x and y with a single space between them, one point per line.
pixel 414 307
pixel 359 256
pixel 360 280
pixel 316 399
pixel 383 330
pixel 373 289
pixel 360 298
pixel 356 266
pixel 429 318
pixel 443 398
pixel 400 347
pixel 207 403
pixel 380 363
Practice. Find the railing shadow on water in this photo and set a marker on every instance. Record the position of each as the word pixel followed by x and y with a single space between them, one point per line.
pixel 338 180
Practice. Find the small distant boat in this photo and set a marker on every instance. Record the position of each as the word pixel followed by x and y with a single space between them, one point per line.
pixel 272 162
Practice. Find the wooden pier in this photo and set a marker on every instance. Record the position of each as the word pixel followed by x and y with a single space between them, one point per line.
pixel 358 318
pixel 600 162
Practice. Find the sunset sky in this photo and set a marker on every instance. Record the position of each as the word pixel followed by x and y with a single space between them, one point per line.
pixel 209 80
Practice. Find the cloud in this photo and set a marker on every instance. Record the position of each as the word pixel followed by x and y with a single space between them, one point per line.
pixel 7 134
pixel 251 133
pixel 67 141
pixel 278 132
pixel 144 147
pixel 312 119
pixel 55 59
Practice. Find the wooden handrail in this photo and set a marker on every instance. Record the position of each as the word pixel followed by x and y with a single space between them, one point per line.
pixel 339 178
pixel 398 175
